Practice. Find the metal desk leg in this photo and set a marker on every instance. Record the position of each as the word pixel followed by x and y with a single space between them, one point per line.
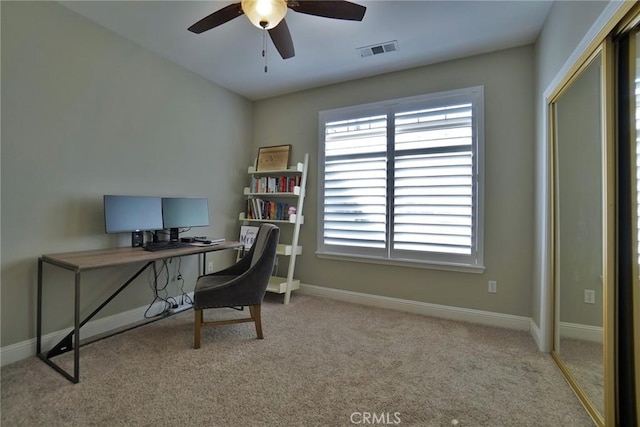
pixel 76 332
pixel 65 343
pixel 72 340
pixel 39 310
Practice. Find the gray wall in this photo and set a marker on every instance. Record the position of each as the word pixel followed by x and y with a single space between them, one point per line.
pixel 566 25
pixel 507 77
pixel 87 113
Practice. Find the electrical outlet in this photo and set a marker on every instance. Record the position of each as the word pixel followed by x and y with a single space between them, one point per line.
pixel 210 267
pixel 589 296
pixel 493 286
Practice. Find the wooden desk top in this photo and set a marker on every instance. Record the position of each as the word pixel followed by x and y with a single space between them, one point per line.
pixel 87 260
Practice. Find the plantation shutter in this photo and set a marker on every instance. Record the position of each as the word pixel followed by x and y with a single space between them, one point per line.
pixel 433 163
pixel 355 186
pixel 401 181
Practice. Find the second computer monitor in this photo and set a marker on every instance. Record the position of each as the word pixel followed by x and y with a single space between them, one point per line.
pixel 184 212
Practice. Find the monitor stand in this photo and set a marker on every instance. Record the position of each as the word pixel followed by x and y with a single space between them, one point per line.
pixel 174 234
pixel 137 238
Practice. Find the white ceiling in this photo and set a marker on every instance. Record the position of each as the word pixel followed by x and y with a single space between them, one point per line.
pixel 230 55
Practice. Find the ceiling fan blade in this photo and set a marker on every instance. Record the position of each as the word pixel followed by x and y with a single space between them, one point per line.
pixel 281 38
pixel 337 9
pixel 219 17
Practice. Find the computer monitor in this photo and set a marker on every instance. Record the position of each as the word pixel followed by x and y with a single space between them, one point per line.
pixel 133 214
pixel 184 212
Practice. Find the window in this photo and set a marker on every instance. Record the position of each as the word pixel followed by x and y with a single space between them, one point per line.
pixel 401 181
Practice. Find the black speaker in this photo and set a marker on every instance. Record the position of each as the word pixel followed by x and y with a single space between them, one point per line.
pixel 174 234
pixel 137 238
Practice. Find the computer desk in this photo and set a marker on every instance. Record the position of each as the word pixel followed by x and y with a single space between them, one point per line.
pixel 79 262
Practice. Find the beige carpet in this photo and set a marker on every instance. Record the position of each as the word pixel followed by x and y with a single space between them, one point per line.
pixel 322 363
pixel 585 361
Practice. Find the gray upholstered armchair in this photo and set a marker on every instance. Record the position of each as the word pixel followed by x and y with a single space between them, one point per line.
pixel 242 284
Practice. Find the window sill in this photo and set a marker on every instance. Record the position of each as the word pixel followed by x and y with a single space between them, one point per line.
pixel 431 265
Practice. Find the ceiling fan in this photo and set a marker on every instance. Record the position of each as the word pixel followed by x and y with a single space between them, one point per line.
pixel 269 15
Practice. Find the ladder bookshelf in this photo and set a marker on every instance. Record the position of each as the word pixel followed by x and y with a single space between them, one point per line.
pixel 277 196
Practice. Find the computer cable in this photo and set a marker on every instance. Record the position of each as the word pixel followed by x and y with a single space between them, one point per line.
pixel 153 284
pixel 184 297
pixel 160 292
pixel 171 301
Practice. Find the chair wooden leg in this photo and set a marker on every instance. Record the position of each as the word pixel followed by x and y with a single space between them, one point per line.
pixel 255 315
pixel 196 330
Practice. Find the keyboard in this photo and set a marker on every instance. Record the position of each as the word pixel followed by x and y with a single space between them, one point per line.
pixel 161 246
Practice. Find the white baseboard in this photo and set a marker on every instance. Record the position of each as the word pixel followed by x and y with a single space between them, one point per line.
pixel 581 332
pixel 443 311
pixel 536 333
pixel 22 350
pixel 15 352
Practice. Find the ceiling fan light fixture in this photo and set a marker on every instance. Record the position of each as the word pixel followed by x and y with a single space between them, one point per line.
pixel 264 14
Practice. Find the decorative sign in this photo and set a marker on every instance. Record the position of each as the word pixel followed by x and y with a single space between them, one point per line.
pixel 273 158
pixel 248 235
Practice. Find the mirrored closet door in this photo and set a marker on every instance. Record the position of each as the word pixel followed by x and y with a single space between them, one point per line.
pixel 580 232
pixel 594 129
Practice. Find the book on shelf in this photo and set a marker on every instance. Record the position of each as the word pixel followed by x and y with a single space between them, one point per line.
pixel 272 184
pixel 268 210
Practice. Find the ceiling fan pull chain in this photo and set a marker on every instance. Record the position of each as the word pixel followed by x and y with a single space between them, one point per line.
pixel 264 48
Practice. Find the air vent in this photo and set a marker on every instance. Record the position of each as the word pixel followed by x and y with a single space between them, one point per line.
pixel 378 49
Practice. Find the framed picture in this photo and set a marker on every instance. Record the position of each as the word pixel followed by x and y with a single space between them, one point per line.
pixel 273 158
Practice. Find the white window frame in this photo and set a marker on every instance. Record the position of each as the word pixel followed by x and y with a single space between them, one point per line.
pixel 471 264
